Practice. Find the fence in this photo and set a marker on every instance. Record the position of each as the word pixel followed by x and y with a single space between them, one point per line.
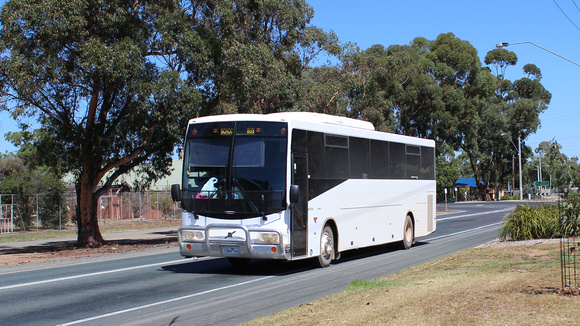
pixel 570 245
pixel 23 211
pixel 570 258
pixel 138 205
pixel 6 218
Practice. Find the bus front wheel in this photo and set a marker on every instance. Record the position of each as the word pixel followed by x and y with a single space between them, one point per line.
pixel 408 233
pixel 326 247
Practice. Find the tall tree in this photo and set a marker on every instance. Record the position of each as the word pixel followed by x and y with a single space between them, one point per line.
pixel 116 81
pixel 256 51
pixel 91 71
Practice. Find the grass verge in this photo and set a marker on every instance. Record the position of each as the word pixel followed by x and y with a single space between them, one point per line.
pixel 484 286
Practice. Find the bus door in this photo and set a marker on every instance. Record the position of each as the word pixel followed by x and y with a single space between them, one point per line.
pixel 300 210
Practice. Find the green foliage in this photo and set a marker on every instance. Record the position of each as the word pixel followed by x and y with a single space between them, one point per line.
pixel 532 222
pixel 570 215
pixel 114 82
pixel 32 188
pixel 438 89
pixel 500 59
pixel 545 221
pixel 564 171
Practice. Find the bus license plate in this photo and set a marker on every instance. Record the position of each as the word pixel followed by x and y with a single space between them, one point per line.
pixel 230 251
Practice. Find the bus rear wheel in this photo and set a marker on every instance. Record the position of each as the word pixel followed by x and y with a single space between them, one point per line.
pixel 408 233
pixel 327 253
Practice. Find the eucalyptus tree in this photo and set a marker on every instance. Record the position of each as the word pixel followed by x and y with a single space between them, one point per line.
pixel 256 53
pixel 520 103
pixel 563 172
pixel 116 81
pixel 91 72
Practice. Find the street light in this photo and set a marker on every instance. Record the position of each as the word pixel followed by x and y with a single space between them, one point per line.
pixel 505 44
pixel 519 149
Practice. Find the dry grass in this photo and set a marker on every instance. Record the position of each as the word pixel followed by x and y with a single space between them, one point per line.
pixel 485 286
pixel 110 226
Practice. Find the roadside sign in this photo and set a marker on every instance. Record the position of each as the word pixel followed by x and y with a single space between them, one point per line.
pixel 542 183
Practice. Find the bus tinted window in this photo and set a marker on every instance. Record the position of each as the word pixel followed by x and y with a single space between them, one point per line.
pixel 379 159
pixel 316 154
pixel 249 152
pixel 427 163
pixel 299 140
pixel 336 141
pixel 336 162
pixel 359 158
pixel 397 161
pixel 211 154
pixel 413 161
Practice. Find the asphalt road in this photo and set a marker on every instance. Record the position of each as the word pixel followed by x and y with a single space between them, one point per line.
pixel 161 288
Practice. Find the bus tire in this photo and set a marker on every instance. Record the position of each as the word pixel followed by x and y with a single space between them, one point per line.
pixel 327 250
pixel 408 233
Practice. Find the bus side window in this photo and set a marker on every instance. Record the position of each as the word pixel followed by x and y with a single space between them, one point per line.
pixel 379 159
pixel 397 168
pixel 360 167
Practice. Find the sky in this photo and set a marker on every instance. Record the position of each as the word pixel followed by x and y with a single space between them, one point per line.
pixel 551 24
pixel 483 24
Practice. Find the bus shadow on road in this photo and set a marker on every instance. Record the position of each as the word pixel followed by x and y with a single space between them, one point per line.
pixel 257 267
pixel 262 267
pixel 366 252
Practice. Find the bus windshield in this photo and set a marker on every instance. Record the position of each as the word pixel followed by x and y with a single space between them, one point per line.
pixel 235 169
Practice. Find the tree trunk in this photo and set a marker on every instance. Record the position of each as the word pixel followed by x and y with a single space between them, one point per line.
pixel 89 234
pixel 483 192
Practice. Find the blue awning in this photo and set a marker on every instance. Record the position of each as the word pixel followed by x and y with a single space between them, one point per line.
pixel 466 182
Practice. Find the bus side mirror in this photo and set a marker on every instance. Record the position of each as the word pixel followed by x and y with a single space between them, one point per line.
pixel 176 192
pixel 294 194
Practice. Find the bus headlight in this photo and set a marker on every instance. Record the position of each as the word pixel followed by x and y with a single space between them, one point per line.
pixel 193 235
pixel 271 238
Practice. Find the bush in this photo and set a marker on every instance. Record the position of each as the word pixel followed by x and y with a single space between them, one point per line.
pixel 571 216
pixel 527 222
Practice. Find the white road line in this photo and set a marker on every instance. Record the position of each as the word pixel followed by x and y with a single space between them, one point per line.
pixel 464 231
pixel 80 321
pixel 60 279
pixel 474 214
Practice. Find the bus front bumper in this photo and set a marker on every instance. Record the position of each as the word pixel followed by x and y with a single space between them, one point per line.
pixel 229 241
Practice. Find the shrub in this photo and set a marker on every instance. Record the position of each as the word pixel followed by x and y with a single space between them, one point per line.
pixel 528 222
pixel 570 213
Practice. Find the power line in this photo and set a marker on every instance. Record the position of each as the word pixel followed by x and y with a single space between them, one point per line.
pixel 566 15
pixel 574 2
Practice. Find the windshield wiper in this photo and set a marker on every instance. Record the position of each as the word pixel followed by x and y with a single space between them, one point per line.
pixel 247 198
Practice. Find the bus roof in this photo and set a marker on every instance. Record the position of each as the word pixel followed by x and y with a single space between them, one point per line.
pixel 291 116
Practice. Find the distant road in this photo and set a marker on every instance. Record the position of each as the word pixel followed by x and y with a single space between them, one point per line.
pixel 157 289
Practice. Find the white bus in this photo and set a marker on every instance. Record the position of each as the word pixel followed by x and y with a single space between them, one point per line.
pixel 301 185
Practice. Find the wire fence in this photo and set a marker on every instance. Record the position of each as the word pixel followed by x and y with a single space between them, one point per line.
pixel 41 211
pixel 6 219
pixel 570 245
